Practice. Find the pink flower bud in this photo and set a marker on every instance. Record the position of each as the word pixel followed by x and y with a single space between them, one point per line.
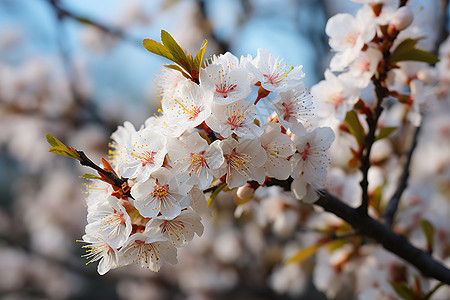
pixel 402 18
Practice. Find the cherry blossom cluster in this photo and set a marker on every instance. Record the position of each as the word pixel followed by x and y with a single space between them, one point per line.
pixel 210 135
pixel 359 43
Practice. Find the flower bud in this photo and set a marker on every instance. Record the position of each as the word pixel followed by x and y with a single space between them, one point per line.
pixel 402 18
pixel 429 76
pixel 246 191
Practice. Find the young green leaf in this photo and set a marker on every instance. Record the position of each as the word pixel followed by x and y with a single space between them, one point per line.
pixel 179 69
pixel 385 132
pixel 407 51
pixel 216 192
pixel 59 148
pixel 198 60
pixel 177 52
pixel 90 176
pixel 157 48
pixel 355 127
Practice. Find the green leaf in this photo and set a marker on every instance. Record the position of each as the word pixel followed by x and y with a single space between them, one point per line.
pixel 59 148
pixel 216 192
pixel 157 48
pixel 405 46
pixel 385 132
pixel 178 68
pixel 418 55
pixel 198 60
pixel 404 291
pixel 52 140
pixel 336 244
pixel 353 124
pixel 177 52
pixel 407 51
pixel 91 176
pixel 303 254
pixel 428 230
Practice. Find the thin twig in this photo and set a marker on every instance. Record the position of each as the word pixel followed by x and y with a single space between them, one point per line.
pixel 118 182
pixel 392 206
pixel 62 13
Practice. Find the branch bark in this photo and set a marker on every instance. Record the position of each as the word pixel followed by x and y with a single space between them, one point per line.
pixel 384 235
pixel 372 121
pixel 392 206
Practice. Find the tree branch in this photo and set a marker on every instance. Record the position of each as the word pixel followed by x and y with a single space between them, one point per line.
pixel 372 121
pixel 113 179
pixel 384 235
pixel 379 232
pixel 392 206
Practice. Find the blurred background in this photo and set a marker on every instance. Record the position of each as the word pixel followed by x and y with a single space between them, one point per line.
pixel 77 70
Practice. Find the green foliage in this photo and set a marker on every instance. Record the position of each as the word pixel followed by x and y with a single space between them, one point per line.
pixel 355 127
pixel 304 253
pixel 428 230
pixel 59 148
pixel 404 291
pixel 91 176
pixel 385 132
pixel 407 51
pixel 216 192
pixel 169 48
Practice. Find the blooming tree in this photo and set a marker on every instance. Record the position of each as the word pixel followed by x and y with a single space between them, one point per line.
pixel 212 137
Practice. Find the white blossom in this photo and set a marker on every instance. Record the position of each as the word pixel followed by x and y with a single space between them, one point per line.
pixel 335 95
pixel 110 221
pixel 148 252
pixel 179 230
pixel 274 74
pixel 237 118
pixel 188 107
pixel 194 159
pixel 160 194
pixel 99 249
pixel 143 155
pixel 294 108
pixel 228 80
pixel 244 160
pixel 278 147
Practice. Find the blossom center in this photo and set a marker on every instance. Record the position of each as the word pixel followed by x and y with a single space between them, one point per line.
pixel 306 151
pixel 197 161
pixel 236 121
pixel 288 110
pixel 146 157
pixel 336 98
pixel 171 225
pixel 192 110
pixel 160 191
pixel 223 89
pixel 237 160
pixel 352 37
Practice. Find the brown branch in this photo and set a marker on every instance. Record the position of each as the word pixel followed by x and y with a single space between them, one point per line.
pixel 384 235
pixel 379 232
pixel 372 121
pixel 392 205
pixel 113 179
